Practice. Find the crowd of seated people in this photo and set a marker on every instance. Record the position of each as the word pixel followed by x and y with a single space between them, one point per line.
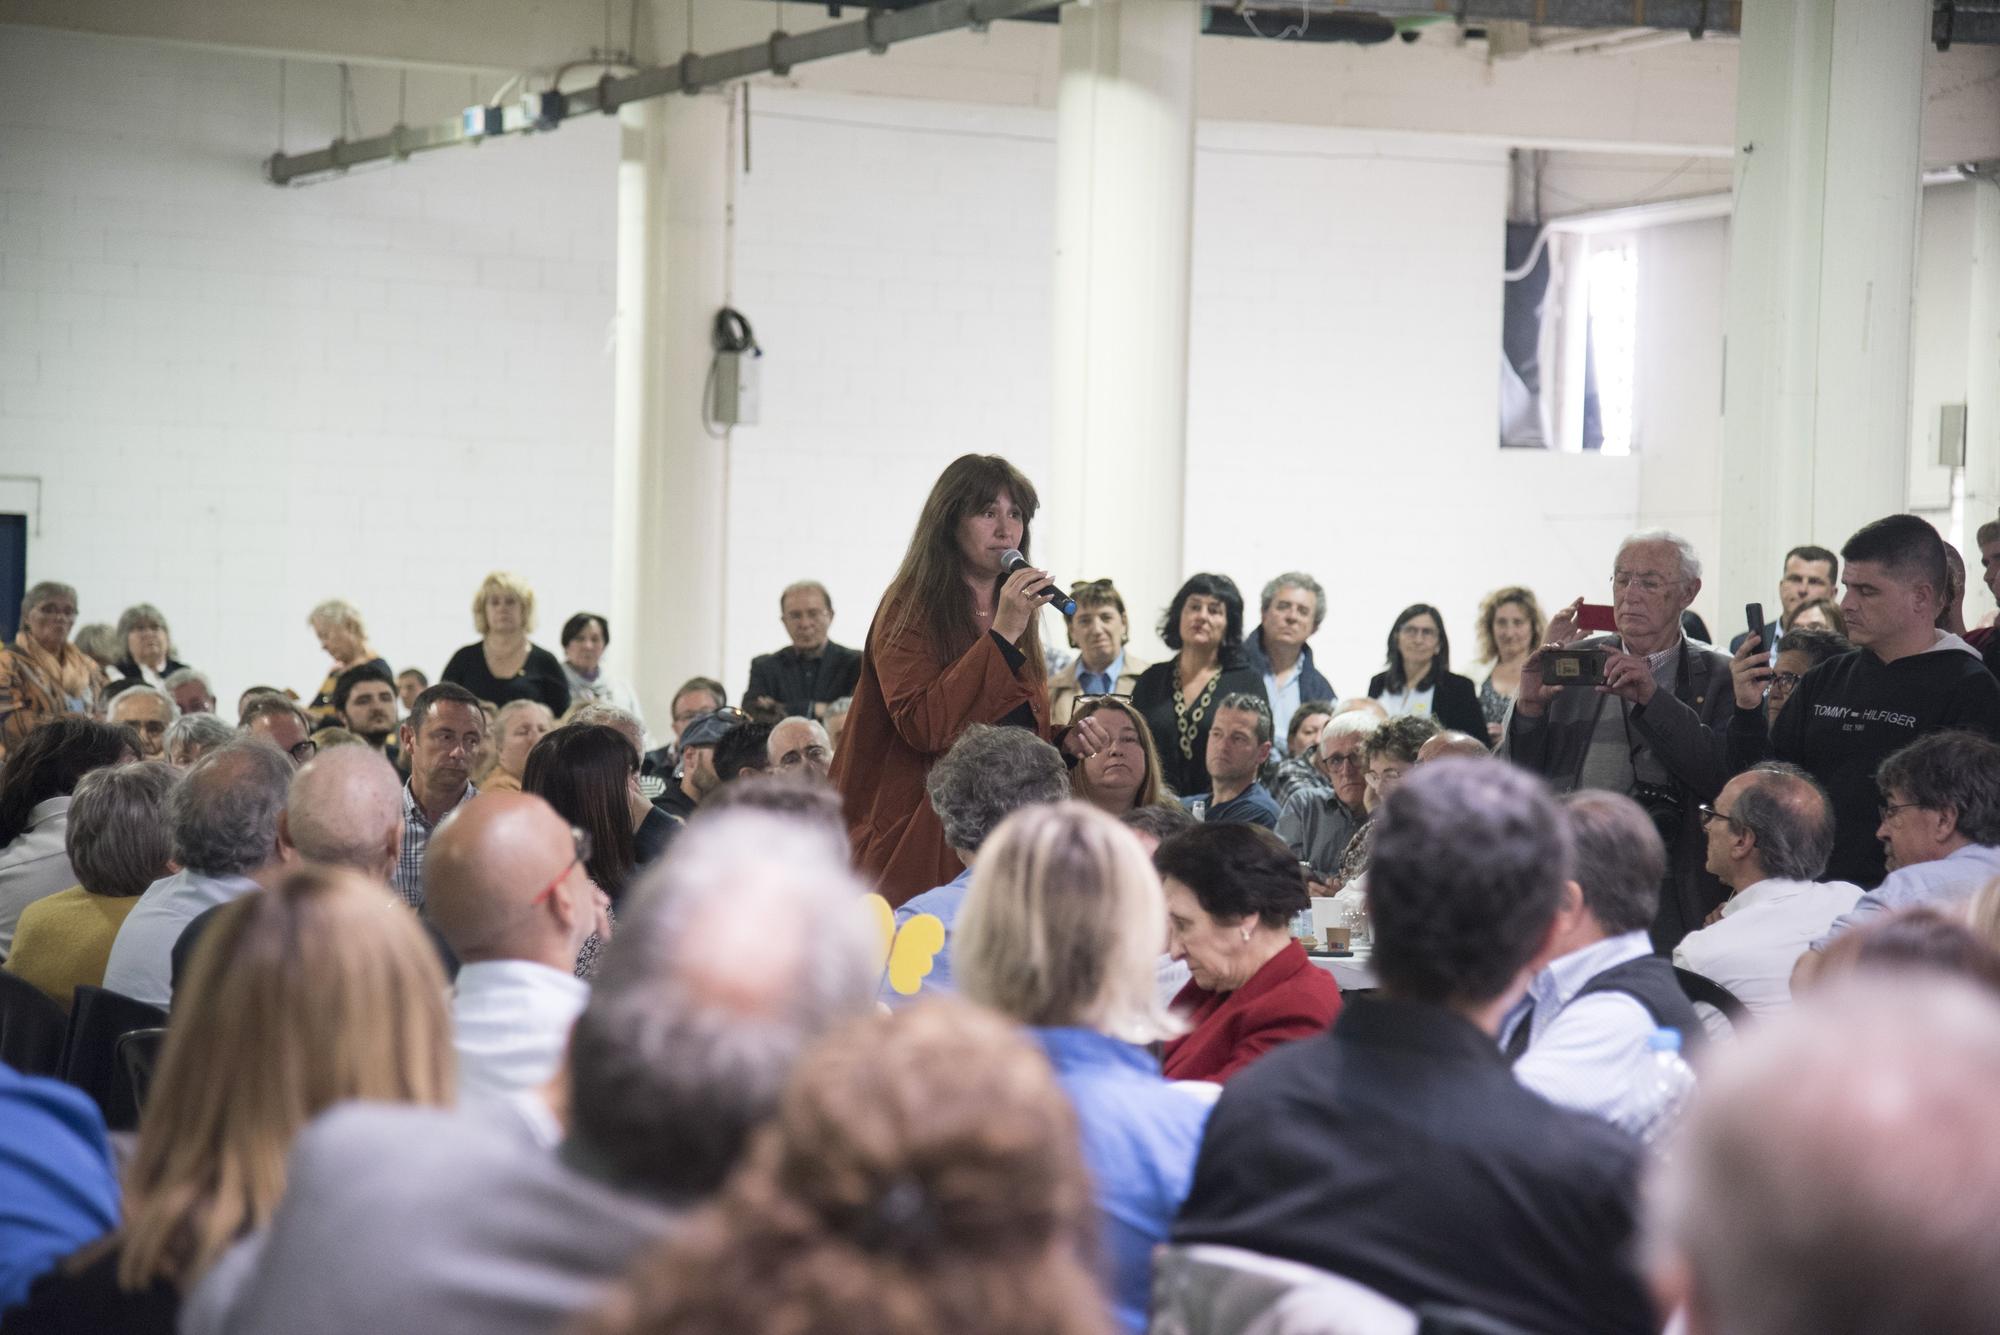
pixel 936 987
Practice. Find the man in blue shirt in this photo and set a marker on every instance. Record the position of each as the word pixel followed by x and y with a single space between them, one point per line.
pixel 1239 741
pixel 56 1180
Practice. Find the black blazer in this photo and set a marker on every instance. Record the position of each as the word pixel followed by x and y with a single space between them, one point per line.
pixel 797 684
pixel 1153 697
pixel 1454 702
pixel 540 678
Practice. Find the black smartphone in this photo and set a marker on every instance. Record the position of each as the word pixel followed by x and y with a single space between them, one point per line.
pixel 1754 614
pixel 1573 667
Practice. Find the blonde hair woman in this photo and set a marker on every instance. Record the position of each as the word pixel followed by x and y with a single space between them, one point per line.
pixel 1124 773
pixel 516 728
pixel 1510 628
pixel 337 624
pixel 300 997
pixel 1062 930
pixel 505 665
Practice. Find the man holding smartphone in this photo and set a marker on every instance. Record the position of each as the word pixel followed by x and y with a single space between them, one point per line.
pixel 1904 679
pixel 1650 726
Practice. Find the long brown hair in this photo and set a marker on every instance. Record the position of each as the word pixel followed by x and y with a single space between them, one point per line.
pixel 928 592
pixel 922 1175
pixel 1152 784
pixel 319 990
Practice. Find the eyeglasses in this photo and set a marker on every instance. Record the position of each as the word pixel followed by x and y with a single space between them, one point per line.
pixel 1352 760
pixel 1419 632
pixel 581 839
pixel 305 750
pixel 1385 776
pixel 1709 815
pixel 1889 809
pixel 1647 584
pixel 1784 682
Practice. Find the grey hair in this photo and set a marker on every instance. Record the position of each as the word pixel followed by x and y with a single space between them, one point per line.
pixel 1245 702
pixel 118 840
pixel 1690 559
pixel 806 586
pixel 180 677
pixel 225 812
pixel 744 945
pixel 1297 579
pixel 42 593
pixel 1353 723
pixel 1618 859
pixel 137 617
pixel 144 688
pixel 203 732
pixel 989 773
pixel 1792 845
pixel 611 716
pixel 1777 1179
pixel 337 612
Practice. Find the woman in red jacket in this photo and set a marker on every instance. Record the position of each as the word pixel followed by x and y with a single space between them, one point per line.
pixel 954 642
pixel 1232 891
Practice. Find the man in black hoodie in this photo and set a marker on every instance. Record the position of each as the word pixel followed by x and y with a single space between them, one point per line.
pixel 1904 679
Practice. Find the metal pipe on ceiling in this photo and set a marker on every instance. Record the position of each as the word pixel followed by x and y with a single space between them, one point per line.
pixel 692 73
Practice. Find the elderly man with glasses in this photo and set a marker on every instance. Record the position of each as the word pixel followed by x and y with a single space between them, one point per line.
pixel 1319 822
pixel 1654 730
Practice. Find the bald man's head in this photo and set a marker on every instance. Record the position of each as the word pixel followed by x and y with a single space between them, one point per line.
pixel 485 868
pixel 799 746
pixel 1452 744
pixel 345 809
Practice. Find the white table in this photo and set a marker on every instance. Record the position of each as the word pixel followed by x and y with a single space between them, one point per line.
pixel 1352 972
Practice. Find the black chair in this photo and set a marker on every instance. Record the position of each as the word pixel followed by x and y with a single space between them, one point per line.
pixel 138 1057
pixel 97 1020
pixel 1701 988
pixel 1438 1319
pixel 32 1027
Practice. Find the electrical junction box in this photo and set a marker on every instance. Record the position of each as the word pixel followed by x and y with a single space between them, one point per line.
pixel 736 375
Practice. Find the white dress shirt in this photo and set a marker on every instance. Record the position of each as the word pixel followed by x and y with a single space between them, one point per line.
pixel 1763 930
pixel 510 1024
pixel 1588 1053
pixel 141 963
pixel 35 865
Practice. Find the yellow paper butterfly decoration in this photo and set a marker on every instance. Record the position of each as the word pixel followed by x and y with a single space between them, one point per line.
pixel 906 954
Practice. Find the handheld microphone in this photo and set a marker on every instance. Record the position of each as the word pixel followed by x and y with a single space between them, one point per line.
pixel 1012 560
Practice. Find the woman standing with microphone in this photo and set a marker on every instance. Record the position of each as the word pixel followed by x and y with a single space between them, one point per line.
pixel 953 643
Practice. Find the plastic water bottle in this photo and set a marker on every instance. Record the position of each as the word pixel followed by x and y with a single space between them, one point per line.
pixel 1667 1085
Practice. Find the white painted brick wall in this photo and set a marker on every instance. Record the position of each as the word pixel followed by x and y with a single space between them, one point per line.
pixel 244 399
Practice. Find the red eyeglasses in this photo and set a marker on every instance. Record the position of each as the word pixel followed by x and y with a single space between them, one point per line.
pixel 579 837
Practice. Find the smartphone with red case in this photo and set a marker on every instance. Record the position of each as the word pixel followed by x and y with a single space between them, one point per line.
pixel 1595 617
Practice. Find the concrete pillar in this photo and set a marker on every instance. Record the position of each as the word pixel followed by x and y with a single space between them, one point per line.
pixel 1124 219
pixel 669 501
pixel 1982 378
pixel 1816 399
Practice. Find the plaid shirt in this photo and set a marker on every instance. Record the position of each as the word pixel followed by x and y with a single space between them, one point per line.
pixel 409 875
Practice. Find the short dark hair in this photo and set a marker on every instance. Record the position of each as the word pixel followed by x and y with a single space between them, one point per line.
pixel 1401 737
pixel 1206 586
pixel 1619 859
pixel 1908 546
pixel 418 673
pixel 432 696
pixel 1950 771
pixel 1439 665
pixel 814 804
pixel 575 627
pixel 584 770
pixel 707 685
pixel 344 684
pixel 1236 871
pixel 1095 593
pixel 1792 845
pixel 1466 874
pixel 1815 642
pixel 1307 710
pixel 50 760
pixel 1246 703
pixel 1808 552
pixel 1916 939
pixel 745 746
pixel 1162 820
